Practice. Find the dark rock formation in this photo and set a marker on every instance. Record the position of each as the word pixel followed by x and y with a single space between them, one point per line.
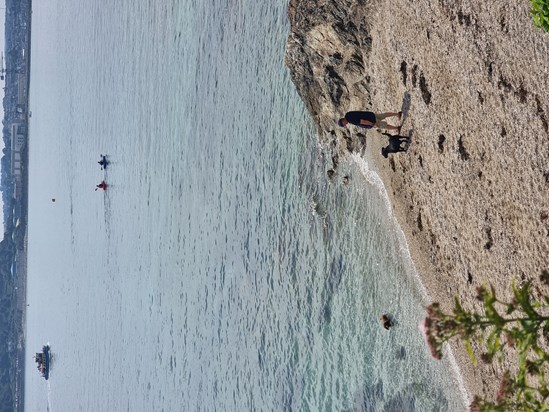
pixel 326 55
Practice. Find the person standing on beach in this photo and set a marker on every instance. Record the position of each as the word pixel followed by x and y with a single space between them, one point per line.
pixel 368 120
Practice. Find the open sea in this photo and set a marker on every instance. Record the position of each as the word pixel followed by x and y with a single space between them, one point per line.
pixel 220 271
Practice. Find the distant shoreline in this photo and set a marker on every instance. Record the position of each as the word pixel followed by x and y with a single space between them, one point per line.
pixel 22 250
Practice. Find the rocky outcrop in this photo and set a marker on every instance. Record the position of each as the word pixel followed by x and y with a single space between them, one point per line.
pixel 327 52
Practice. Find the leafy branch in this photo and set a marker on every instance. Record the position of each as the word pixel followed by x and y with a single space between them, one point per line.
pixel 517 326
pixel 540 13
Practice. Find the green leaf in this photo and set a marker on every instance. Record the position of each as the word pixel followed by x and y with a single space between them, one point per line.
pixel 470 351
pixel 522 295
pixel 492 342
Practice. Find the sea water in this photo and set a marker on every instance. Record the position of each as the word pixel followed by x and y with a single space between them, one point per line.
pixel 220 270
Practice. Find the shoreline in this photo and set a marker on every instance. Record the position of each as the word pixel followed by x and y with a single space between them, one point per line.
pixel 471 194
pixel 370 166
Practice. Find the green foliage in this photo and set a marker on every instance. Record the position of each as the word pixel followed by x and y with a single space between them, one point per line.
pixel 520 324
pixel 540 13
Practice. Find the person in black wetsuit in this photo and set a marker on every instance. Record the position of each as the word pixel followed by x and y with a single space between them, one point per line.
pixel 103 162
pixel 368 120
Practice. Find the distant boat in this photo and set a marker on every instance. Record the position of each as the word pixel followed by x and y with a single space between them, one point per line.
pixel 42 360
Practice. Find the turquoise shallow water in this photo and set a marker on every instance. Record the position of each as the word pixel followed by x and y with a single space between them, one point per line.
pixel 220 270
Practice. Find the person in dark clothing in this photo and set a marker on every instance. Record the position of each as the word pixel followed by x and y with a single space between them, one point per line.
pixel 103 162
pixel 394 145
pixel 368 120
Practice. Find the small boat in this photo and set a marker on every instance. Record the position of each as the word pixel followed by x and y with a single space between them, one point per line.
pixel 42 360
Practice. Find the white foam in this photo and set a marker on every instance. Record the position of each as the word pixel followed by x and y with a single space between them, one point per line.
pixel 375 181
pixel 48 392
